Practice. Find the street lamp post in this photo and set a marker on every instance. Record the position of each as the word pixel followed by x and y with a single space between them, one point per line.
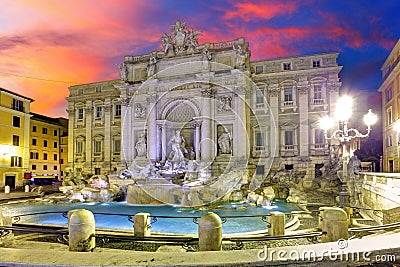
pixel 344 135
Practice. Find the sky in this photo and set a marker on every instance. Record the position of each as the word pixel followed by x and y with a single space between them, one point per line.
pixel 48 45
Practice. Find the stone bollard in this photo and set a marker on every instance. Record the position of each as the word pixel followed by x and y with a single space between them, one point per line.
pixel 6 239
pixel 7 189
pixel 320 215
pixel 26 188
pixel 81 227
pixel 141 224
pixel 276 219
pixel 349 212
pixel 334 224
pixel 210 232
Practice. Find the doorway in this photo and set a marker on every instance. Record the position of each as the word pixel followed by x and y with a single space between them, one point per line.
pixel 10 181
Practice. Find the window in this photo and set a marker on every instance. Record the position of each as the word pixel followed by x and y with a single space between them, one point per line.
pixel 259 98
pixel 45 143
pixel 55 132
pixel 287 66
pixel 389 141
pixel 33 167
pixel 55 144
pixel 15 140
pixel 288 94
pixel 97 171
pixel 117 110
pixel 319 137
pixel 55 156
pixel 260 170
pixel 16 121
pixel 80 113
pixel 55 168
pixel 389 116
pixel 288 167
pixel 80 92
pixel 79 146
pixel 316 63
pixel 45 167
pixel 98 89
pixel 34 128
pixel 259 69
pixel 34 141
pixel 34 155
pixel 289 137
pixel 16 161
pixel 18 105
pixel 44 156
pixel 61 161
pixel 389 94
pixel 44 130
pixel 317 92
pixel 259 139
pixel 99 112
pixel 97 146
pixel 117 146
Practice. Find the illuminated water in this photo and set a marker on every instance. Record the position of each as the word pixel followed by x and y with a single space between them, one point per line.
pixel 169 225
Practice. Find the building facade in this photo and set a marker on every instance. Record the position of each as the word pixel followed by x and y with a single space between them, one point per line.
pixel 390 89
pixel 227 109
pixel 45 154
pixel 14 138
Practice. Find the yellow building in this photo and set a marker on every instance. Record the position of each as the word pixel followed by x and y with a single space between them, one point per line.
pixel 46 137
pixel 390 89
pixel 14 138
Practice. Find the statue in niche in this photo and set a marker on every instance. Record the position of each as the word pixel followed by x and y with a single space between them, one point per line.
pixel 151 67
pixel 240 56
pixel 225 103
pixel 224 142
pixel 178 148
pixel 123 72
pixel 141 146
pixel 206 57
pixel 140 111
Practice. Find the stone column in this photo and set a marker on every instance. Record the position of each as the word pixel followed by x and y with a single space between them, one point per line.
pixel 274 92
pixel 240 140
pixel 276 220
pixel 163 143
pixel 304 125
pixel 71 137
pixel 107 150
pixel 206 138
pixel 152 128
pixel 88 128
pixel 197 140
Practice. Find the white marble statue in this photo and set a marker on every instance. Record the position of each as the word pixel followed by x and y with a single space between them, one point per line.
pixel 224 142
pixel 141 146
pixel 151 67
pixel 240 56
pixel 178 148
pixel 123 71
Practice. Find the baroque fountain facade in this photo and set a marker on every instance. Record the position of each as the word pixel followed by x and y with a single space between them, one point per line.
pixel 200 123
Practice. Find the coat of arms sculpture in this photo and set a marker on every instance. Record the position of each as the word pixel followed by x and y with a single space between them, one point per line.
pixel 182 39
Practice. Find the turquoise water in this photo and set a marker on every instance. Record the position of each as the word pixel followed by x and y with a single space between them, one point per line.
pixel 119 219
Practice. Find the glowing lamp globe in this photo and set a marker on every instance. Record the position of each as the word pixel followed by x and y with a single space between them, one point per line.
pixel 370 118
pixel 326 123
pixel 344 108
